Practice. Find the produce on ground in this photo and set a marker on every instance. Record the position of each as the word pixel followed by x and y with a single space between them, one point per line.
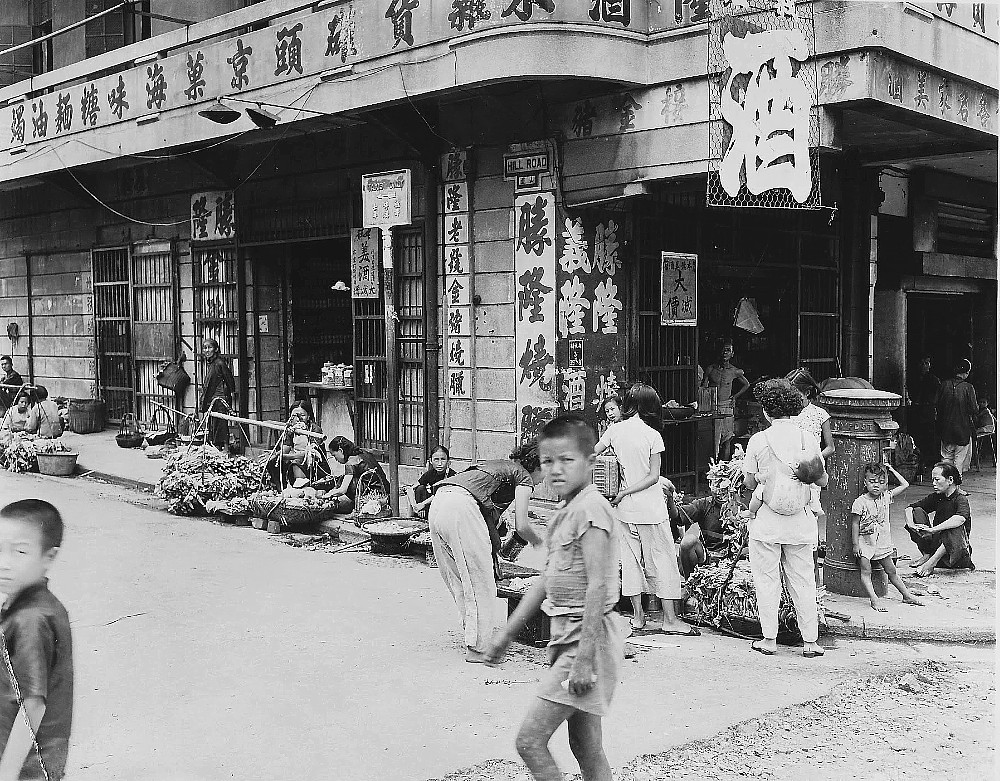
pixel 193 478
pixel 17 453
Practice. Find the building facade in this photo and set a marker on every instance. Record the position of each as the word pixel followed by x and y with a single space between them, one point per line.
pixel 562 157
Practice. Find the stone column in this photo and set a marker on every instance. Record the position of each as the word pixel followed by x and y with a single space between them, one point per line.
pixel 862 426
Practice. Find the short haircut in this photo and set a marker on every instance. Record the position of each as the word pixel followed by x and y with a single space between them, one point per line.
pixel 964 366
pixel 778 397
pixel 6 358
pixel 441 449
pixel 304 405
pixel 615 398
pixel 343 443
pixel 875 469
pixel 949 471
pixel 41 514
pixel 25 393
pixel 527 455
pixel 41 392
pixel 571 427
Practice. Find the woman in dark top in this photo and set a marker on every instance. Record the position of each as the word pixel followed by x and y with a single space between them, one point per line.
pixel 944 542
pixel 463 523
pixel 362 471
pixel 438 469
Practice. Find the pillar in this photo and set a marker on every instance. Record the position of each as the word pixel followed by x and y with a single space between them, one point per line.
pixel 862 425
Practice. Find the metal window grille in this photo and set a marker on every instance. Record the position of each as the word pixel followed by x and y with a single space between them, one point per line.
pixel 113 320
pixel 154 325
pixel 216 302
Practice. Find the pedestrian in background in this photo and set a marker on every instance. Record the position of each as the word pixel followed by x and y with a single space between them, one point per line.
pixel 218 384
pixel 11 378
pixel 649 554
pixel 36 678
pixel 782 541
pixel 921 417
pixel 957 408
pixel 732 383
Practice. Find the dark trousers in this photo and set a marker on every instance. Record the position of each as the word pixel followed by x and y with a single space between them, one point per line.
pixel 958 549
pixel 218 433
pixel 922 428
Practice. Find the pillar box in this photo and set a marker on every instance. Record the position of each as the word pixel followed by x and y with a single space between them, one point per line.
pixel 862 426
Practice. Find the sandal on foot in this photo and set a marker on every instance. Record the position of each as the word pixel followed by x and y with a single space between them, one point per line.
pixel 689 632
pixel 812 654
pixel 761 649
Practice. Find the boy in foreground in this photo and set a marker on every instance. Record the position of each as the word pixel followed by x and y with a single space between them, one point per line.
pixel 579 591
pixel 36 663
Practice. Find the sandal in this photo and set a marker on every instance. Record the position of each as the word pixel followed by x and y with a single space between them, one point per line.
pixel 691 632
pixel 761 650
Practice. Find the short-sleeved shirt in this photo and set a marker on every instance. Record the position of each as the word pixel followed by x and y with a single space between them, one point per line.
pixel 359 464
pixel 707 513
pixel 565 573
pixel 37 633
pixel 432 478
pixel 872 512
pixel 634 443
pixel 767 525
pixel 492 481
pixel 44 420
pixel 944 507
pixel 811 420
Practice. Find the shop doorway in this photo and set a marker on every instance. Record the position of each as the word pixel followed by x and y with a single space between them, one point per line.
pixel 135 313
pixel 939 326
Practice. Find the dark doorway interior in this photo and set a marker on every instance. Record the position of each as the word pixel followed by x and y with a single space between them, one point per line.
pixel 940 326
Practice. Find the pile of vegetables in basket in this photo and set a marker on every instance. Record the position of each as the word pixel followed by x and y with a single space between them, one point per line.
pixel 192 478
pixel 17 453
pixel 721 591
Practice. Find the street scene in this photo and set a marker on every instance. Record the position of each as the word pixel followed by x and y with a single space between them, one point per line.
pixel 476 389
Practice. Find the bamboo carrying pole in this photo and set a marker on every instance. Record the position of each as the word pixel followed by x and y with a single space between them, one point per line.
pixel 263 424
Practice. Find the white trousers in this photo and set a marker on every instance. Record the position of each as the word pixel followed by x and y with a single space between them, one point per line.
pixel 767 562
pixel 649 560
pixel 465 560
pixel 959 455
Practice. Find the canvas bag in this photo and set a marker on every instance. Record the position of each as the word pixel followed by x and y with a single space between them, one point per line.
pixel 784 492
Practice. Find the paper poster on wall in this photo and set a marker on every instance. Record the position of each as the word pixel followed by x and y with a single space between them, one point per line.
pixel 364 263
pixel 678 289
pixel 535 311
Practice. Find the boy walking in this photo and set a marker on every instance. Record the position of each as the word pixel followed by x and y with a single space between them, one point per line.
pixel 36 671
pixel 579 591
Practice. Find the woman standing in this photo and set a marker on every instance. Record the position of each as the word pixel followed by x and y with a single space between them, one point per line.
pixel 463 524
pixel 776 458
pixel 649 554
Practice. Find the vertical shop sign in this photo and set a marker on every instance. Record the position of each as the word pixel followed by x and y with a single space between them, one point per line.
pixel 213 215
pixel 678 289
pixel 385 199
pixel 535 311
pixel 456 215
pixel 364 264
pixel 763 112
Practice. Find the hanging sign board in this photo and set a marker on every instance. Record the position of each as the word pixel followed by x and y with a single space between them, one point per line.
pixel 213 215
pixel 364 263
pixel 515 166
pixel 385 199
pixel 678 289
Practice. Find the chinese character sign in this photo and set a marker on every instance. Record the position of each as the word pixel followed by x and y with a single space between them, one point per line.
pixel 456 217
pixel 385 199
pixel 535 235
pixel 678 289
pixel 213 215
pixel 764 120
pixel 364 263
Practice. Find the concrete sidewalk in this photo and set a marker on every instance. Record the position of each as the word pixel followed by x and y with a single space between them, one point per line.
pixel 960 606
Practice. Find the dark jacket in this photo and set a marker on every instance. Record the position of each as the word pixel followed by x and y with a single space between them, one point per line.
pixel 219 383
pixel 957 408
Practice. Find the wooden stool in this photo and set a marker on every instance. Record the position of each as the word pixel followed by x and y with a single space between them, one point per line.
pixel 991 441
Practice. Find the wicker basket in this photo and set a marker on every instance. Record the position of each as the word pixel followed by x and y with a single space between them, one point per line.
pixel 391 542
pixel 58 464
pixel 289 512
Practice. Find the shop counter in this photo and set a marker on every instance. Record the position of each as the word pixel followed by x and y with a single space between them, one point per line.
pixel 689 443
pixel 334 408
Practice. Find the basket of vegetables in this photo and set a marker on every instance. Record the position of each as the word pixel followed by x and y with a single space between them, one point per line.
pixel 54 458
pixel 292 507
pixel 391 535
pixel 422 541
pixel 191 478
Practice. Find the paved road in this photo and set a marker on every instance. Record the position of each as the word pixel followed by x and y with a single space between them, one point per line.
pixel 209 652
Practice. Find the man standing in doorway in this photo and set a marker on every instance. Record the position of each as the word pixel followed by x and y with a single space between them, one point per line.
pixel 732 383
pixel 8 377
pixel 957 408
pixel 219 384
pixel 920 420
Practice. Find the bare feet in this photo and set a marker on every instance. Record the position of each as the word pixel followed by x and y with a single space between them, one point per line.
pixel 924 572
pixel 911 600
pixel 878 607
pixel 919 562
pixel 638 622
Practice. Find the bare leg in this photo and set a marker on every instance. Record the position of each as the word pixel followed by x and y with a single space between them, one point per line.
pixel 928 567
pixel 920 561
pixel 638 614
pixel 533 737
pixel 890 571
pixel 586 743
pixel 865 566
pixel 692 554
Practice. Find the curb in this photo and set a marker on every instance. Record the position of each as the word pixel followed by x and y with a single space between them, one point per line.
pixel 122 482
pixel 957 636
